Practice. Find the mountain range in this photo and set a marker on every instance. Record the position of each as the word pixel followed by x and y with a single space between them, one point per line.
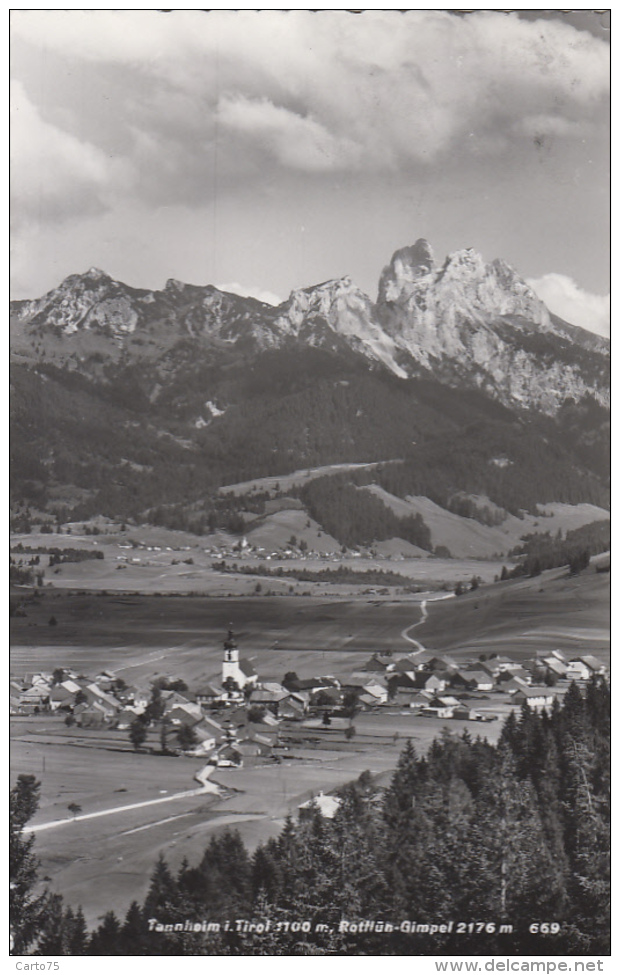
pixel 124 399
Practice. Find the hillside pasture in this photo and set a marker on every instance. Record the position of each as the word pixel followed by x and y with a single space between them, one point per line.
pixel 468 538
pixel 285 482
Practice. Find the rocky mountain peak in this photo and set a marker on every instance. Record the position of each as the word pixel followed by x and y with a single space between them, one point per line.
pixel 465 322
pixel 408 266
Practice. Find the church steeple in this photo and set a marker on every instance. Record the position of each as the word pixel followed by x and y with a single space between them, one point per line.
pixel 231 654
pixel 240 671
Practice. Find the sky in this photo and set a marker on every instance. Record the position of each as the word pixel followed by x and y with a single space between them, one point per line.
pixel 262 151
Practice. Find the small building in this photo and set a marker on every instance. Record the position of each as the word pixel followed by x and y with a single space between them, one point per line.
pixel 554 666
pixel 60 697
pixel 94 694
pixel 472 680
pixel 291 709
pixel 578 670
pixel 538 698
pixel 594 665
pixel 441 663
pixel 209 694
pixel 436 711
pixel 379 663
pixel 327 806
pixel 514 684
pixel 185 714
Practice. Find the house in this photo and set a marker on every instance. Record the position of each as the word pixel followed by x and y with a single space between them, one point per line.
pixel 185 714
pixel 270 695
pixel 448 701
pixel 436 711
pixel 406 666
pixel 559 656
pixel 380 663
pixel 94 693
pixel 94 714
pixel 311 684
pixel 365 685
pixel 473 680
pixel 209 694
pixel 327 806
pixel 41 680
pixel 268 692
pixel 537 698
pixel 35 699
pixel 253 748
pixel 441 663
pixel 172 699
pixel 507 676
pixel 504 663
pixel 291 709
pixel 464 713
pixel 60 697
pixel 208 726
pixel 421 681
pixel 126 718
pixel 594 665
pixel 411 697
pixel 514 684
pixel 555 666
pixel 578 670
pixel 368 701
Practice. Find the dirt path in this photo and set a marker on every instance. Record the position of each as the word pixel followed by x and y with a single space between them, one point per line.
pixel 424 614
pixel 207 787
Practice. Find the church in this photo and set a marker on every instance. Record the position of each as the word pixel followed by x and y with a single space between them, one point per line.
pixel 241 671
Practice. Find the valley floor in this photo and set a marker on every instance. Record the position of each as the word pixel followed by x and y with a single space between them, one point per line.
pixel 107 861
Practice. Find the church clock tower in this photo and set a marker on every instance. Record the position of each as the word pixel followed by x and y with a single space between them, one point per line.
pixel 230 665
pixel 241 671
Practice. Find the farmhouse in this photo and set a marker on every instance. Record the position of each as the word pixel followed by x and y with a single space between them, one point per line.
pixel 514 684
pixel 555 666
pixel 476 680
pixel 291 709
pixel 209 694
pixel 380 663
pixel 537 698
pixel 326 805
pixel 410 697
pixel 593 664
pixel 442 663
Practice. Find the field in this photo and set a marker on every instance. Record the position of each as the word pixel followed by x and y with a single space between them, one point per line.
pixel 107 861
pixel 467 538
pixel 158 560
pixel 116 868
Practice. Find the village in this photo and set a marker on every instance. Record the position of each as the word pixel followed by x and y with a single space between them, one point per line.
pixel 243 720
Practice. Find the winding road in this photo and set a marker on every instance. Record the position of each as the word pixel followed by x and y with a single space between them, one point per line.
pixel 424 614
pixel 202 777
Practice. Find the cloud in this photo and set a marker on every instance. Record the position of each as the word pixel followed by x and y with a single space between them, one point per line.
pixel 54 175
pixel 330 90
pixel 565 298
pixel 268 297
pixel 298 142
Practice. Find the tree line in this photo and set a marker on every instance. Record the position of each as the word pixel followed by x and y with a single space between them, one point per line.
pixel 540 552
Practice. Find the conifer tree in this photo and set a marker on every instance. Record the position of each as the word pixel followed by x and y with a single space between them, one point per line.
pixel 27 909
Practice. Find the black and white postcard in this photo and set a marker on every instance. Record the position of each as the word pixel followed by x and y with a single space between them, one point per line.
pixel 310 537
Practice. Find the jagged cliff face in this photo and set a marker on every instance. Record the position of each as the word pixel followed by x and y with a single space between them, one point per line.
pixel 465 322
pixel 480 324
